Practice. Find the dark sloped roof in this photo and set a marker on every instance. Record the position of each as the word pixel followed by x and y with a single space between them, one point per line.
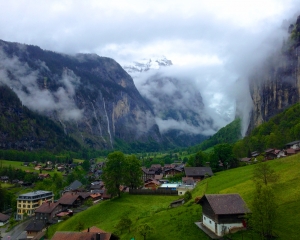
pixel 198 171
pixel 226 203
pixel 46 207
pixel 69 198
pixel 3 217
pixel 80 236
pixel 35 226
pixel 75 185
pixel 94 229
pixel 292 143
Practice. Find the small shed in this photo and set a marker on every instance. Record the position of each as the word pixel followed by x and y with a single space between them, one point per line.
pixel 177 203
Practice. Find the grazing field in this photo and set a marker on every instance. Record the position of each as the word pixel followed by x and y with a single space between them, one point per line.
pixel 19 165
pixel 178 223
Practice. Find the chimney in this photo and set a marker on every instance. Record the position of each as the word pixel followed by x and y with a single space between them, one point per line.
pixel 97 236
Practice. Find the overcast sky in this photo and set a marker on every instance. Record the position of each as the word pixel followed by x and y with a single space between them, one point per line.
pixel 215 42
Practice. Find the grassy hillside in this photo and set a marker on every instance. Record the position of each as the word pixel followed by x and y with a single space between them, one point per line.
pixel 279 130
pixel 178 223
pixel 228 134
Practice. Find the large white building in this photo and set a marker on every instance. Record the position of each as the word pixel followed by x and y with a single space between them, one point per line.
pixel 27 203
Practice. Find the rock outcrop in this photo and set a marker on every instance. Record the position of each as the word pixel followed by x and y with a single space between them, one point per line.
pixel 276 84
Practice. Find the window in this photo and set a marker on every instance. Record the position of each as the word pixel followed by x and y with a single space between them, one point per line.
pixel 204 218
pixel 209 221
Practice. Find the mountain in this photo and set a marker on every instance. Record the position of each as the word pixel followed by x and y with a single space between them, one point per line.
pixel 176 101
pixel 91 97
pixel 145 65
pixel 22 129
pixel 276 84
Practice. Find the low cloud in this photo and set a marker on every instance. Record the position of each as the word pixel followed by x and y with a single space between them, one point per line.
pixel 24 82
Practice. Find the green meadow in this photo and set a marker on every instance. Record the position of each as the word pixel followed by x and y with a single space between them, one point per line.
pixel 19 165
pixel 178 223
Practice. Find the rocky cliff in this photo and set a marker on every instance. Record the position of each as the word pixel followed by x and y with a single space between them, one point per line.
pixel 276 84
pixel 91 97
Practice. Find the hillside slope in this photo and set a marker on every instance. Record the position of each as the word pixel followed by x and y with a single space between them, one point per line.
pixel 178 223
pixel 23 129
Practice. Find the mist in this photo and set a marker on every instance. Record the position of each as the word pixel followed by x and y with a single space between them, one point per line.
pixel 24 82
pixel 214 45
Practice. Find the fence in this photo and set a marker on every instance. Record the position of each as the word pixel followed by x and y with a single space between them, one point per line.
pixel 153 192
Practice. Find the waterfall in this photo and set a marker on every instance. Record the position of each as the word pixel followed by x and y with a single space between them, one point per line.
pixel 99 126
pixel 64 126
pixel 108 129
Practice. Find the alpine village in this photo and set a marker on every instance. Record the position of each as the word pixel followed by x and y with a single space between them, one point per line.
pixel 99 167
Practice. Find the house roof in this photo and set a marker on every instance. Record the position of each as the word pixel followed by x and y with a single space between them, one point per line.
pixel 292 143
pixel 69 198
pixel 177 201
pixel 198 171
pixel 3 217
pixel 226 203
pixel 80 236
pixel 175 168
pixel 46 207
pixel 245 159
pixel 35 226
pixel 94 230
pixel 269 150
pixel 188 180
pixel 75 185
pixel 157 183
pixel 290 151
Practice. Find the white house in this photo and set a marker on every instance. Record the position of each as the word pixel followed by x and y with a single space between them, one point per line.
pixel 223 212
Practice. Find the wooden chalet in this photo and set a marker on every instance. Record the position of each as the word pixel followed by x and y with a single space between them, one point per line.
pixel 172 171
pixel 198 173
pixel 34 228
pixel 152 184
pixel 47 211
pixel 223 212
pixel 70 200
pixel 147 173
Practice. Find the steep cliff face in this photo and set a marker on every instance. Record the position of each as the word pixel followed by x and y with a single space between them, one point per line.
pixel 276 84
pixel 91 97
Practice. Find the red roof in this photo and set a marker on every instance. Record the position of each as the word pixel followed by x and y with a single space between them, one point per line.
pixel 80 236
pixel 3 217
pixel 69 198
pixel 46 207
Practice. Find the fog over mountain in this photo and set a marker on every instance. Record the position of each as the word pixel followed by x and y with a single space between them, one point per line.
pixel 213 45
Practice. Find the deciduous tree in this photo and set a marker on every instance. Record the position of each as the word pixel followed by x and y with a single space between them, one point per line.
pixel 263 211
pixel 145 230
pixel 264 174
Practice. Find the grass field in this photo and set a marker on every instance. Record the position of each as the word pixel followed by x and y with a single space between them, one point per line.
pixel 178 223
pixel 19 165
